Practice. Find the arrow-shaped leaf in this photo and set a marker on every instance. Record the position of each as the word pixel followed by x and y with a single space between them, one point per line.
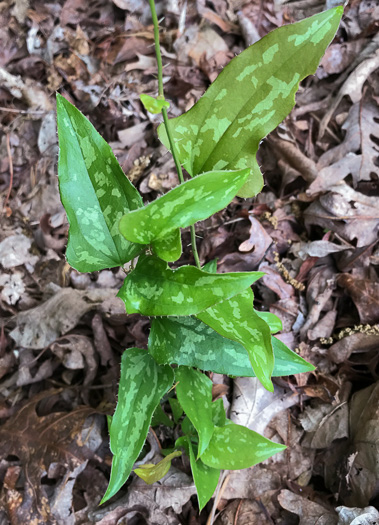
pixel 194 393
pixel 193 201
pixel 236 319
pixel 154 289
pixel 95 193
pixel 190 342
pixel 142 384
pixel 205 478
pixel 249 98
pixel 169 249
pixel 234 447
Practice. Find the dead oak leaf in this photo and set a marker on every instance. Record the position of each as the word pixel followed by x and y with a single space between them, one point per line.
pixel 40 442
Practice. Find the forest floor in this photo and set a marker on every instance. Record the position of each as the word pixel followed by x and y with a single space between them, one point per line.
pixel 313 231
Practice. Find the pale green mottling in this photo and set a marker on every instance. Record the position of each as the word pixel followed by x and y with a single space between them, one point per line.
pixel 222 94
pixel 247 71
pixel 217 125
pixel 269 54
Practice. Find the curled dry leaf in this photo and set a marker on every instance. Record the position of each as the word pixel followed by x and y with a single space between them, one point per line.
pixel 357 516
pixel 308 511
pixel 40 326
pixel 356 343
pixel 365 294
pixel 369 120
pixel 348 213
pixel 258 242
pixel 40 442
pixel 364 472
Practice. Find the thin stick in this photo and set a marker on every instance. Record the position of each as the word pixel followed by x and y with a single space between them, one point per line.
pixel 166 119
pixel 10 172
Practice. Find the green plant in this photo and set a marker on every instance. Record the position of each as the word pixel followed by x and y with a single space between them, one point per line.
pixel 201 320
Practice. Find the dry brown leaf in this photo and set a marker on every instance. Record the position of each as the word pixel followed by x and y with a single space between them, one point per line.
pixel 356 343
pixel 41 326
pixel 244 512
pixel 369 121
pixel 39 442
pixel 258 242
pixel 331 175
pixel 365 294
pixel 308 511
pixel 352 87
pixel 364 473
pixel 348 213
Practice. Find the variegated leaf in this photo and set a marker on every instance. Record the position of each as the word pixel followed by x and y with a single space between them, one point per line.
pixel 95 193
pixel 168 249
pixel 190 342
pixel 142 384
pixel 194 393
pixel 154 289
pixel 236 319
pixel 205 478
pixel 234 447
pixel 249 98
pixel 193 201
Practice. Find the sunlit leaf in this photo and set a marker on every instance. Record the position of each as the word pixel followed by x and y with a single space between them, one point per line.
pixel 95 193
pixel 151 472
pixel 190 342
pixel 236 319
pixel 154 289
pixel 190 202
pixel 142 384
pixel 235 447
pixel 168 249
pixel 153 105
pixel 273 321
pixel 249 98
pixel 194 393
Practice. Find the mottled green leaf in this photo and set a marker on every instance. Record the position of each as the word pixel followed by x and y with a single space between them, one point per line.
pixel 193 201
pixel 288 362
pixel 194 393
pixel 236 319
pixel 168 249
pixel 273 321
pixel 234 447
pixel 211 266
pixel 190 342
pixel 95 193
pixel 154 289
pixel 161 418
pixel 153 105
pixel 176 409
pixel 205 478
pixel 249 98
pixel 151 472
pixel 219 414
pixel 142 384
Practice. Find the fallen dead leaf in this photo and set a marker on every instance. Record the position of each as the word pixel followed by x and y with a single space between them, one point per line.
pixel 347 212
pixel 41 326
pixel 365 294
pixel 39 442
pixel 308 511
pixel 355 343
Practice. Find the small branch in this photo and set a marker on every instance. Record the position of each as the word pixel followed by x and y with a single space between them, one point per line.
pixel 166 119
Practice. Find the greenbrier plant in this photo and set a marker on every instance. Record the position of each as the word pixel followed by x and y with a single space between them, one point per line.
pixel 201 321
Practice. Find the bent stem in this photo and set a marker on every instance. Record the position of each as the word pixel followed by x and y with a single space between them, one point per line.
pixel 166 119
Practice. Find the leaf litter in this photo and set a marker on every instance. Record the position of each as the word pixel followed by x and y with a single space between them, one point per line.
pixel 313 231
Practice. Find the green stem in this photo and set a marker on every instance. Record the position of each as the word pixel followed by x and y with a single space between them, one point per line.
pixel 166 120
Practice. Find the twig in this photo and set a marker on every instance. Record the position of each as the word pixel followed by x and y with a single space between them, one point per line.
pixel 166 119
pixel 10 173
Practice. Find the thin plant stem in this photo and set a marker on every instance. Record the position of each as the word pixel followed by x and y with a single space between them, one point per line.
pixel 166 119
